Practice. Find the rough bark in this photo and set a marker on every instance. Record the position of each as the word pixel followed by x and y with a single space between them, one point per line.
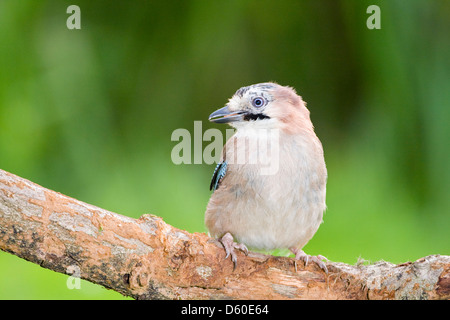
pixel 146 258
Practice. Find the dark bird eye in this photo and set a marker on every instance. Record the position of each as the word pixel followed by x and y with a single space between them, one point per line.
pixel 258 102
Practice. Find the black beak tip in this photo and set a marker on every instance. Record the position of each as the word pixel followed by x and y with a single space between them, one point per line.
pixel 224 115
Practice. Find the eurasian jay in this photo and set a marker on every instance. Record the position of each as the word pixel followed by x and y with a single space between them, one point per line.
pixel 268 210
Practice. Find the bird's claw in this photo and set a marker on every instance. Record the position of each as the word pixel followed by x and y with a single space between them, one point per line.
pixel 229 245
pixel 301 255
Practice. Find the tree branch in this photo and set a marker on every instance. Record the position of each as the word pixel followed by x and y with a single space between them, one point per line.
pixel 146 258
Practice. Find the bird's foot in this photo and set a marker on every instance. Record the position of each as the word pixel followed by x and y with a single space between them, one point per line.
pixel 229 245
pixel 301 255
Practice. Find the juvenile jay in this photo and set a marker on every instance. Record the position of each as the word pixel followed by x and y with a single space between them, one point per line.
pixel 280 209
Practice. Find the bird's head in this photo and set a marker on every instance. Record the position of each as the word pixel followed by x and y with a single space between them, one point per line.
pixel 265 104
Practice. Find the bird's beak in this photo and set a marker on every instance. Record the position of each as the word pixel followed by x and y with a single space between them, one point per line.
pixel 224 115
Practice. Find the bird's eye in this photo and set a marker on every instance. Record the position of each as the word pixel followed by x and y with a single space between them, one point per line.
pixel 258 102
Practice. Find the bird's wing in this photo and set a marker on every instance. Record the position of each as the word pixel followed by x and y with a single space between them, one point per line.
pixel 219 173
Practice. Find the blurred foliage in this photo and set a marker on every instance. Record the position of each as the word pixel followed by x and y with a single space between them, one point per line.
pixel 90 112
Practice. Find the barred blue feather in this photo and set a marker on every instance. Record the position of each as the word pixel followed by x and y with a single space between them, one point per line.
pixel 219 173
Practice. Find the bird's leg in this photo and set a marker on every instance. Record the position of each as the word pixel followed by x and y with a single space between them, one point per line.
pixel 301 255
pixel 229 245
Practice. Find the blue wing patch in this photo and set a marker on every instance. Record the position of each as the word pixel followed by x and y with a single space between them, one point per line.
pixel 219 173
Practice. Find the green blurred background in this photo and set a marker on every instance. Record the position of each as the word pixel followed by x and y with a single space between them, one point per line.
pixel 90 112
